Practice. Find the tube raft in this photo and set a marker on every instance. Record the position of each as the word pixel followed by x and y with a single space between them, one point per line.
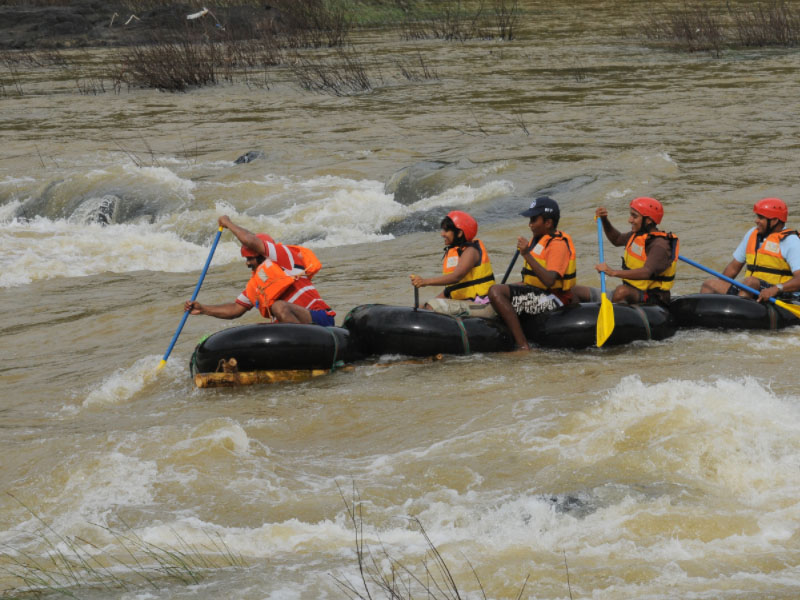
pixel 719 311
pixel 383 329
pixel 268 352
pixel 575 325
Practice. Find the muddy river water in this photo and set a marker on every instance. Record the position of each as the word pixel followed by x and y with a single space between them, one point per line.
pixel 656 470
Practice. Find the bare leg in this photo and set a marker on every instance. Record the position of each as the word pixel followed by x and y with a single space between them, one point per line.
pixel 625 293
pixel 715 286
pixel 750 282
pixel 285 312
pixel 500 297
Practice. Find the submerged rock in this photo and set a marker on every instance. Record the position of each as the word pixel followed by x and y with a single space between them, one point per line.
pixel 249 157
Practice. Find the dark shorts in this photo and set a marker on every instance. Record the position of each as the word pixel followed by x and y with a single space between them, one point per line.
pixel 322 317
pixel 660 297
pixel 531 300
pixel 762 285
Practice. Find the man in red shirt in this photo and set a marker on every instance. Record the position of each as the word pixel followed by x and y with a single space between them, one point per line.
pixel 279 287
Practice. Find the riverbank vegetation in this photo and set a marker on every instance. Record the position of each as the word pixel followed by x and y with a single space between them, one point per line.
pixel 716 26
pixel 309 42
pixel 244 40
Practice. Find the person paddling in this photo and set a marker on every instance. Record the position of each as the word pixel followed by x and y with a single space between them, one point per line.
pixel 771 252
pixel 548 275
pixel 651 256
pixel 280 285
pixel 466 270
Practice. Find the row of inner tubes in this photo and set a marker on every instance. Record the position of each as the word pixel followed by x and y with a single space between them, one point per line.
pixel 378 329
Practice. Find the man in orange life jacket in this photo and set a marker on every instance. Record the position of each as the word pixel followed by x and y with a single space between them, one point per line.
pixel 771 253
pixel 466 270
pixel 280 286
pixel 548 275
pixel 651 256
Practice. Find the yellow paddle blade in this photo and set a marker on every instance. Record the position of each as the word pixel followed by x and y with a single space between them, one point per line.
pixel 792 308
pixel 605 320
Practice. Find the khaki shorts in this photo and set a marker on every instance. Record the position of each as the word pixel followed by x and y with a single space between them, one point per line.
pixel 461 308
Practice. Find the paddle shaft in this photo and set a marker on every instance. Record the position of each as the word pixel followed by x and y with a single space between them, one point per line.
pixel 602 259
pixel 194 297
pixel 416 297
pixel 721 276
pixel 605 315
pixel 510 266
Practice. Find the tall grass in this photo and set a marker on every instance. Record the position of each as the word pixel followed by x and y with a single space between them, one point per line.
pixel 714 26
pixel 170 66
pixel 345 73
pixel 69 564
pixel 381 575
pixel 775 23
pixel 461 20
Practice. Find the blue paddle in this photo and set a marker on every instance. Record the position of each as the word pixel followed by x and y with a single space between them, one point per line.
pixel 795 310
pixel 194 297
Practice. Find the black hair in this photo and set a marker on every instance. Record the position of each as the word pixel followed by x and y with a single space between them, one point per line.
pixel 553 218
pixel 448 225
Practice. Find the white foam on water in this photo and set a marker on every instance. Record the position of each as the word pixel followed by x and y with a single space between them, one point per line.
pixel 8 210
pixel 465 195
pixel 734 434
pixel 266 540
pixel 341 211
pixel 221 433
pixel 163 177
pixel 105 483
pixel 42 249
pixel 9 180
pixel 123 385
pixel 320 212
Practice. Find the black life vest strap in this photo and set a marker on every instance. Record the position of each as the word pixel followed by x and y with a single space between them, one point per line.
pixel 759 269
pixel 464 284
pixel 555 236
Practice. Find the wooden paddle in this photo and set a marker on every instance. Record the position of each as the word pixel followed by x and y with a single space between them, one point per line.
pixel 605 318
pixel 194 297
pixel 794 309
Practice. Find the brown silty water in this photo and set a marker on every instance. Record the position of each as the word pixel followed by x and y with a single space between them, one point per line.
pixel 655 470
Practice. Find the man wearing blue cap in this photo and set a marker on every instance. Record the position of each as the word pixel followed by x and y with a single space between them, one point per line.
pixel 548 275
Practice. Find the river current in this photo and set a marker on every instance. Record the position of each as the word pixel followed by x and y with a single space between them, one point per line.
pixel 655 470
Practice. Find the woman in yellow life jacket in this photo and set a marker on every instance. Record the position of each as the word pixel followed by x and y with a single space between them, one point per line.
pixel 651 256
pixel 771 254
pixel 466 270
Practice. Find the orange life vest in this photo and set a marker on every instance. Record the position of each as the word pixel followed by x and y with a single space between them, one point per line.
pixel 540 254
pixel 270 282
pixel 309 262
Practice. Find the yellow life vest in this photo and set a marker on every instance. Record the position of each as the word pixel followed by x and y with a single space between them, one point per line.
pixel 477 281
pixel 636 256
pixel 767 262
pixel 540 254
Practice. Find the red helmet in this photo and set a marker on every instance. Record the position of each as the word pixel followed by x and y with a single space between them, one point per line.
pixel 247 253
pixel 772 208
pixel 465 223
pixel 648 207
